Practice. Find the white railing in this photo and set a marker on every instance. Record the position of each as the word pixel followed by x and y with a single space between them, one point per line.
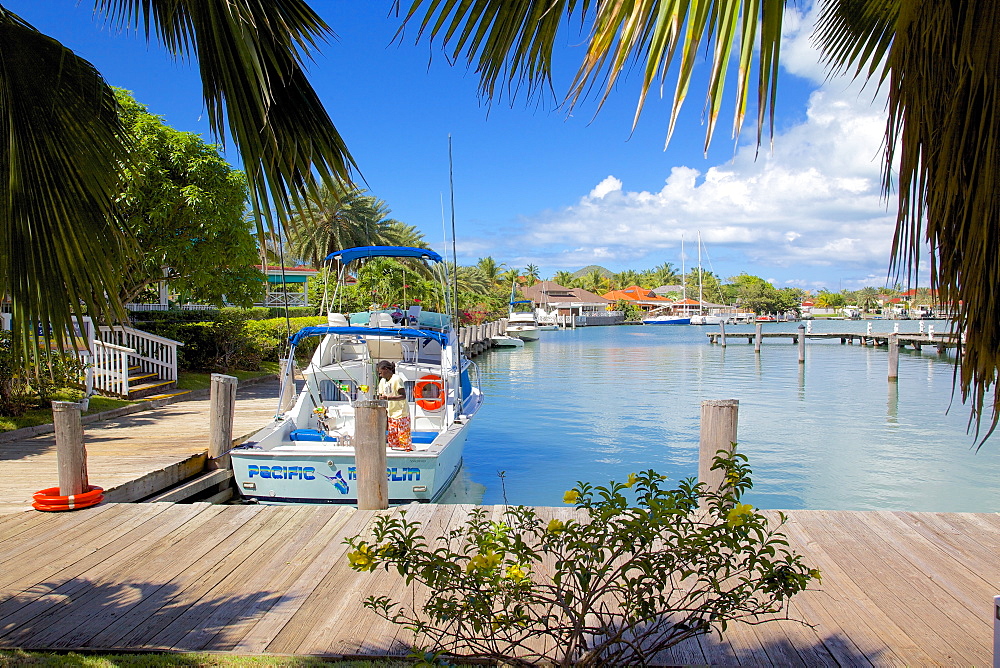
pixel 279 299
pixel 153 354
pixel 166 307
pixel 109 367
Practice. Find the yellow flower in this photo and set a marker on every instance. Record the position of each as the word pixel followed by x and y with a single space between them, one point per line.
pixel 362 559
pixel 737 516
pixel 516 572
pixel 483 562
pixel 555 526
pixel 384 550
pixel 815 574
pixel 571 496
pixel 632 479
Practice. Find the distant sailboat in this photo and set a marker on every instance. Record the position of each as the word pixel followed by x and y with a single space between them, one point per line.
pixel 666 315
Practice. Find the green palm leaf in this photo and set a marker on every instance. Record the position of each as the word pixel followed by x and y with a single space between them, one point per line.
pixel 511 43
pixel 938 61
pixel 61 246
pixel 251 55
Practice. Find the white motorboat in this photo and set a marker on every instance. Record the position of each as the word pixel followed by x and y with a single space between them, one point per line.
pixel 522 323
pixel 504 341
pixel 664 315
pixel 306 453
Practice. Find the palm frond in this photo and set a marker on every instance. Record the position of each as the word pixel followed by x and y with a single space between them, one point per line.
pixel 512 42
pixel 61 246
pixel 940 63
pixel 251 55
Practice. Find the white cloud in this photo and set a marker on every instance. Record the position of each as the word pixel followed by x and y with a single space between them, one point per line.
pixel 812 207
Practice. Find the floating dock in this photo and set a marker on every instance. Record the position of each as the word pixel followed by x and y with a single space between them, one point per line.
pixel 898 588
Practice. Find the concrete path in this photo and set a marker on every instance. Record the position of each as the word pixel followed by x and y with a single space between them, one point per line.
pixel 128 454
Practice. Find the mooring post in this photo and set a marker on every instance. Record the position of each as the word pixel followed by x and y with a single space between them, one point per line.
pixel 71 454
pixel 757 337
pixel 802 344
pixel 996 632
pixel 222 404
pixel 718 432
pixel 722 333
pixel 893 357
pixel 369 454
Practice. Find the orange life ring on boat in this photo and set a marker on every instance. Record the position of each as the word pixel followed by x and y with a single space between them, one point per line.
pixel 49 499
pixel 429 401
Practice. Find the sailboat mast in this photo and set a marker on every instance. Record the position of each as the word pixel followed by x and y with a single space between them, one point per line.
pixel 684 284
pixel 701 303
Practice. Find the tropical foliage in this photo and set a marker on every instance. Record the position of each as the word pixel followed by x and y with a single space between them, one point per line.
pixel 184 205
pixel 638 568
pixel 345 216
pixel 63 244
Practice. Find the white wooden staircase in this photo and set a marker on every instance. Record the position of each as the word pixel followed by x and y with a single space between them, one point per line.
pixel 131 364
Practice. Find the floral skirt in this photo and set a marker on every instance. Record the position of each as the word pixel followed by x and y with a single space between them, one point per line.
pixel 399 433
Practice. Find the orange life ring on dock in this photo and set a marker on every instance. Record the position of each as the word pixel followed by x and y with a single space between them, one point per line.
pixel 49 499
pixel 433 400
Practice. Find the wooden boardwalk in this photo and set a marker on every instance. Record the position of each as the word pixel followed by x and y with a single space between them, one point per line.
pixel 898 588
pixel 937 340
pixel 129 456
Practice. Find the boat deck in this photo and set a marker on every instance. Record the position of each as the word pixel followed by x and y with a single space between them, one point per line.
pixel 898 588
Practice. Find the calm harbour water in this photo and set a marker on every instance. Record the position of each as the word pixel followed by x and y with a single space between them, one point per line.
pixel 597 403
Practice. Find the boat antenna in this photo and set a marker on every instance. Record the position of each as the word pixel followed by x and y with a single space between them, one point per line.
pixel 454 260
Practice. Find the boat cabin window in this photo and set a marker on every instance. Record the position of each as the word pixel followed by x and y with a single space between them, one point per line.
pixel 330 390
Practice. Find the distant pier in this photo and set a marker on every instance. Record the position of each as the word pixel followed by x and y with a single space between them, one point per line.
pixel 941 342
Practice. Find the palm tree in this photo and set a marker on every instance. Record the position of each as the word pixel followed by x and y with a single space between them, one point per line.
pixel 595 282
pixel 665 274
pixel 532 273
pixel 344 217
pixel 936 59
pixel 491 268
pixel 565 279
pixel 61 243
pixel 867 298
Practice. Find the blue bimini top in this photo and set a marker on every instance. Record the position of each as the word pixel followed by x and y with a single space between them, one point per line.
pixel 349 255
pixel 403 332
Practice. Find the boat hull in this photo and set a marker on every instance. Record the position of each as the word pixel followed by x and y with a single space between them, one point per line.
pixel 663 320
pixel 323 475
pixel 525 332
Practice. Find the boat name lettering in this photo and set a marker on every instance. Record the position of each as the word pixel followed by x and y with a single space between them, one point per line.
pixel 283 472
pixel 393 473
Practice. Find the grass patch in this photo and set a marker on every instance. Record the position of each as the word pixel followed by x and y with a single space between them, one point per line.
pixel 190 380
pixel 43 415
pixel 101 660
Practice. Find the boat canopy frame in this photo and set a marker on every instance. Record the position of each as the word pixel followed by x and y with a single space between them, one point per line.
pixel 349 255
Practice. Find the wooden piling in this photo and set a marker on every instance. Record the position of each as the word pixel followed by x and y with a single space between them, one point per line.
pixel 722 333
pixel 719 419
pixel 802 344
pixel 370 423
pixel 893 357
pixel 71 454
pixel 222 404
pixel 757 337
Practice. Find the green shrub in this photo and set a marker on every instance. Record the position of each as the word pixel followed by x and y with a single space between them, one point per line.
pixel 615 585
pixel 22 389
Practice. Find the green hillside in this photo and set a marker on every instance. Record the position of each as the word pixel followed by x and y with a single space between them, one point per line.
pixel 589 269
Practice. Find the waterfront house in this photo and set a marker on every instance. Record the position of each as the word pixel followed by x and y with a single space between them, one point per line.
pixel 574 307
pixel 641 297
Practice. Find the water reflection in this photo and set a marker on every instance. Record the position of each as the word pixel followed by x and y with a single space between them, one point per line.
pixel 599 403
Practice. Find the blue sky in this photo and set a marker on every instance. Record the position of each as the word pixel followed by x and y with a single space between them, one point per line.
pixel 535 184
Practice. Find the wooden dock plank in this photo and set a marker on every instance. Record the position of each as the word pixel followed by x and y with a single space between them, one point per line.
pixel 953 625
pixel 332 599
pixel 168 567
pixel 898 588
pixel 91 577
pixel 307 569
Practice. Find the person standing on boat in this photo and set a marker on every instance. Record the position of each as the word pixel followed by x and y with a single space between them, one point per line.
pixel 390 388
